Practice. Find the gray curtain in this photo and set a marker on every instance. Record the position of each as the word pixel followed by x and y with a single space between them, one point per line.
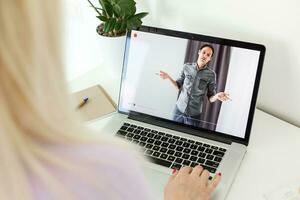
pixel 220 64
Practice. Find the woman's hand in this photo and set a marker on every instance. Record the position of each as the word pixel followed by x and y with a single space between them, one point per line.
pixel 190 184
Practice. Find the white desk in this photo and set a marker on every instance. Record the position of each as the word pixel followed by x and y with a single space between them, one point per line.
pixel 272 158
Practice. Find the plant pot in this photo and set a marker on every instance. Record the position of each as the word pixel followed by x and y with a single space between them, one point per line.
pixel 111 34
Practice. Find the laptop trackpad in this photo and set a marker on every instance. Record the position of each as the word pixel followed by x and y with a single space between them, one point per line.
pixel 157 181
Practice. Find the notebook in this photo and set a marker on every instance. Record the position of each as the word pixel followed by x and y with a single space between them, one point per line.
pixel 188 99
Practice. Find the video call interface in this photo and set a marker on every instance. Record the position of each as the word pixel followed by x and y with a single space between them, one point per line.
pixel 191 82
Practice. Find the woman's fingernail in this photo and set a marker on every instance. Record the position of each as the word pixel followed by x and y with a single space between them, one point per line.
pixel 174 171
pixel 219 174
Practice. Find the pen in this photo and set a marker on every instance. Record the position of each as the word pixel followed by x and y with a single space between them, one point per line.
pixel 83 102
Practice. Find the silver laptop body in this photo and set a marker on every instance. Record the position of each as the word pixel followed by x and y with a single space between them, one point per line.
pixel 147 101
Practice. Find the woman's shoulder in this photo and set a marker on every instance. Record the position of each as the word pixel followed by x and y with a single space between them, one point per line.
pixel 103 171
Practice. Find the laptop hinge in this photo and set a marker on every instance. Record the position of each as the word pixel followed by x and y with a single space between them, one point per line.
pixel 177 127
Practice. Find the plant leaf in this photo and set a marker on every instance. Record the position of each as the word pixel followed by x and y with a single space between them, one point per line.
pixel 102 18
pixel 141 15
pixel 134 22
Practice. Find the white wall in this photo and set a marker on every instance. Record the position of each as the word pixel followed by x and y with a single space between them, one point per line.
pixel 239 84
pixel 144 88
pixel 273 23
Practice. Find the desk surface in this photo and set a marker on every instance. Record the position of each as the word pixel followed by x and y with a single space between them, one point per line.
pixel 271 160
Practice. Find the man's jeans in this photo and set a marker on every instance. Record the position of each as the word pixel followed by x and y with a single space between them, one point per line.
pixel 184 118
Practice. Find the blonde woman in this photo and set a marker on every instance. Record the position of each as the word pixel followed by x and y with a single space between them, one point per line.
pixel 45 152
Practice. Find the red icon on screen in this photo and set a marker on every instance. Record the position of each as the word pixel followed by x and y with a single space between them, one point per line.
pixel 135 35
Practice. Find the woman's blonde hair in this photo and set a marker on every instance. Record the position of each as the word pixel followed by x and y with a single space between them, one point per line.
pixel 34 105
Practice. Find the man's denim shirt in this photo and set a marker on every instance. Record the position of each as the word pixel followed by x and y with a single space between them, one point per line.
pixel 194 85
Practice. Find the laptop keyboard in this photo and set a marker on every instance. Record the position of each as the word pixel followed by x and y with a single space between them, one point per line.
pixel 172 151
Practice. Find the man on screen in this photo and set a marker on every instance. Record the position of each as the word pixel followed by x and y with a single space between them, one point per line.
pixel 195 82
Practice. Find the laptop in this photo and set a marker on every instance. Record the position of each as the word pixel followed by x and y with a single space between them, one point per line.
pixel 188 99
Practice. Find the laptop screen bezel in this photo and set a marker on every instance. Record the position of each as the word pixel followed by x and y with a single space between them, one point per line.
pixel 201 132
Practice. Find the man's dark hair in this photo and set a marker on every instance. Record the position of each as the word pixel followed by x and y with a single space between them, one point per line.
pixel 209 46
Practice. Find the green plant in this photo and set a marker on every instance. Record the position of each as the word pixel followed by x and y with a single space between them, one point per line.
pixel 117 17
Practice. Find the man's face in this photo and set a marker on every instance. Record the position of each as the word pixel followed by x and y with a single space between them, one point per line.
pixel 204 55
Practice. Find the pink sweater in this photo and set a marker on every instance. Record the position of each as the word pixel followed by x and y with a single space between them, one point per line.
pixel 117 173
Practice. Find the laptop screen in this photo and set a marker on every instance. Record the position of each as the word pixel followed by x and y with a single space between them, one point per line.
pixel 203 82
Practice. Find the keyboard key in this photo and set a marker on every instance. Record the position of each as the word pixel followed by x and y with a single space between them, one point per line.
pixel 161 133
pixel 217 159
pixel 163 150
pixel 159 161
pixel 121 133
pixel 176 166
pixel 206 145
pixel 137 137
pixel 201 160
pixel 186 162
pixel 126 124
pixel 210 157
pixel 171 158
pixel 202 155
pixel 150 141
pixel 193 158
pixel 143 133
pixel 179 160
pixel 137 131
pixel 150 135
pixel 221 149
pixel 186 144
pixel 168 135
pixel 133 126
pixel 171 140
pixel 164 139
pixel 139 127
pixel 130 129
pixel 178 142
pixel 170 152
pixel 149 146
pixel 156 154
pixel 148 152
pixel 195 153
pixel 186 150
pixel 146 129
pixel 193 164
pixel 210 169
pixel 154 131
pixel 200 148
pixel 143 139
pixel 164 144
pixel 123 128
pixel 218 153
pixel 178 154
pixel 214 147
pixel 208 151
pixel 186 156
pixel 142 144
pixel 157 137
pixel 156 148
pixel 193 146
pixel 172 146
pixel 157 142
pixel 129 135
pixel 175 137
pixel 179 148
pixel 183 139
pixel 191 141
pixel 163 156
pixel 199 143
pixel 212 163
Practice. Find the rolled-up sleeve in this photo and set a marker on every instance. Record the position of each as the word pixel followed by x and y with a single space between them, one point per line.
pixel 180 80
pixel 212 86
